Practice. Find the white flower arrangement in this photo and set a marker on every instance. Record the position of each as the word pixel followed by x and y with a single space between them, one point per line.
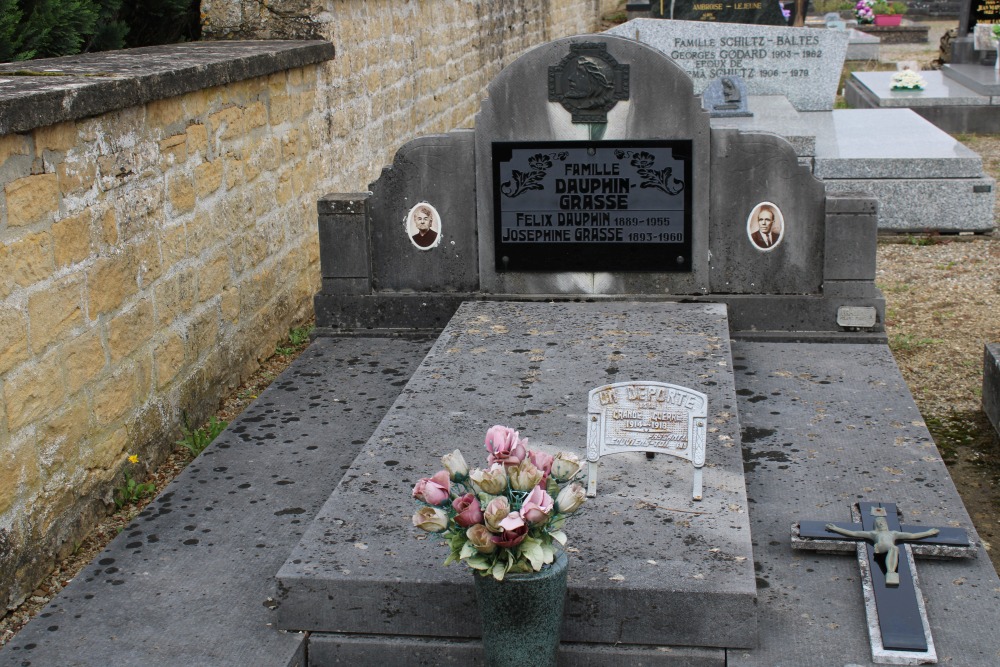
pixel 908 80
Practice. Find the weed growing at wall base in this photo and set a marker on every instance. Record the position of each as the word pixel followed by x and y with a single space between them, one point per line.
pixel 195 441
pixel 132 491
pixel 298 338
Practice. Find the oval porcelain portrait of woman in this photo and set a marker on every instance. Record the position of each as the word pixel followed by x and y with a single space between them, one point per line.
pixel 423 226
pixel 766 226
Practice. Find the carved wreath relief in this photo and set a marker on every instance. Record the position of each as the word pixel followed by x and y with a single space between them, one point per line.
pixel 588 82
pixel 423 226
pixel 765 226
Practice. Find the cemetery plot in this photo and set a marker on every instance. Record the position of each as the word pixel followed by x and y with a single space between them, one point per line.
pixel 642 552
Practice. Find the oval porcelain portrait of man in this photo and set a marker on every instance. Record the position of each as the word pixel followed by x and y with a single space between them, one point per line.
pixel 766 226
pixel 423 226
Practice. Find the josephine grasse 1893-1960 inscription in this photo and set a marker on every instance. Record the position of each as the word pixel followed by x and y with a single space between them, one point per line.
pixel 592 206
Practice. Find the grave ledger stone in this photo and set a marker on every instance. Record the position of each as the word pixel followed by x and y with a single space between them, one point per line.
pixel 593 172
pixel 650 565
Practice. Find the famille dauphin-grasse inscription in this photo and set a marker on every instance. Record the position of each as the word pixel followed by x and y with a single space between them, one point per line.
pixel 651 417
pixel 592 206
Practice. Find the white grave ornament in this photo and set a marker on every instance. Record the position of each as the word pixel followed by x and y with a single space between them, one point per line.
pixel 651 417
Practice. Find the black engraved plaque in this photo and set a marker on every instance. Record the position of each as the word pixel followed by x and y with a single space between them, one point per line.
pixel 592 206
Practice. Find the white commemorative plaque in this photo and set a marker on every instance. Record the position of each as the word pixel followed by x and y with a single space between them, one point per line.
pixel 646 417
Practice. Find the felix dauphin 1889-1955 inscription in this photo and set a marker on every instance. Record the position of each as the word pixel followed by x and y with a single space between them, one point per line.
pixel 592 206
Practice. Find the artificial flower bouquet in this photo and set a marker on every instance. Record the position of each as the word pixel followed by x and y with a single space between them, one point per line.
pixel 907 79
pixel 503 518
pixel 864 13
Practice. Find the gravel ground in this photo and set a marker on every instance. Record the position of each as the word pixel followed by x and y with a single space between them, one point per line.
pixel 942 305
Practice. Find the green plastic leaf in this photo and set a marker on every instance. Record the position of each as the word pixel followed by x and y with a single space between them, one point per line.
pixel 559 536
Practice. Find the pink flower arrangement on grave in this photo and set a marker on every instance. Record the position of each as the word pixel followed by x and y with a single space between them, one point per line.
pixel 864 12
pixel 505 517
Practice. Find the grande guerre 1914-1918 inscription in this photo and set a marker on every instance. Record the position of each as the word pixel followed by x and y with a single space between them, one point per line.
pixel 592 206
pixel 653 417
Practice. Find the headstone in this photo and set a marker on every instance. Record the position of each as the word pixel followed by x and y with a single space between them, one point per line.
pixel 530 204
pixel 753 12
pixel 803 64
pixel 991 384
pixel 726 97
pixel 976 12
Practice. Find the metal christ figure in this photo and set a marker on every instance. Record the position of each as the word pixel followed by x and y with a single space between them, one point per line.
pixel 884 541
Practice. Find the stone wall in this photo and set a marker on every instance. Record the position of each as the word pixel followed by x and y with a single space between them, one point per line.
pixel 153 250
pixel 404 68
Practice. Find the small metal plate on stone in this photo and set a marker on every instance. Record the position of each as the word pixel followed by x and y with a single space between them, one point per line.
pixel 588 82
pixel 861 317
pixel 646 417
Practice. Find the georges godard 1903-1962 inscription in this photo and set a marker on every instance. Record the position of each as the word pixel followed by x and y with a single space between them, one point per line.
pixel 592 206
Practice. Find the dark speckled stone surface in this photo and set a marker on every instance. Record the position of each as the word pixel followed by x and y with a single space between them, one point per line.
pixel 191 580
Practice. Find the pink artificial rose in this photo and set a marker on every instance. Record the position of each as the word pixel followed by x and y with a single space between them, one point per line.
pixel 496 511
pixel 514 531
pixel 537 507
pixel 431 519
pixel 543 462
pixel 467 510
pixel 570 498
pixel 505 446
pixel 524 476
pixel 434 490
pixel 481 538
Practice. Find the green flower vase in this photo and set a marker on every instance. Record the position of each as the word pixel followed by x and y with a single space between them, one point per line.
pixel 522 615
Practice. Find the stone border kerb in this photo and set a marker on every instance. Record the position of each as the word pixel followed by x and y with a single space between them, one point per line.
pixel 43 92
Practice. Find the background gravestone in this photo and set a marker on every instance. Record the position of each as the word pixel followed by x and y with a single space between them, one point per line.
pixel 759 12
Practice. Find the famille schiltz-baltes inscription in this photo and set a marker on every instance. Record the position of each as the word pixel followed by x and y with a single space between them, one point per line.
pixel 592 206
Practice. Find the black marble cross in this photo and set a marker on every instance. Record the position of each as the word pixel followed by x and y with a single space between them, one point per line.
pixel 898 613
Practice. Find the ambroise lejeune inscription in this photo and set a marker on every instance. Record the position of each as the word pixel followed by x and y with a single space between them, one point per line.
pixel 592 206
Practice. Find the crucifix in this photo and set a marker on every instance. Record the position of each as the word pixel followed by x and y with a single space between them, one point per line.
pixel 897 619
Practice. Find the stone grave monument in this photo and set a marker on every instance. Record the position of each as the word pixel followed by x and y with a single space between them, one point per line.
pixel 923 178
pixel 597 242
pixel 963 96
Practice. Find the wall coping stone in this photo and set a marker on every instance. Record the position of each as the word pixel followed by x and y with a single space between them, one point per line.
pixel 36 93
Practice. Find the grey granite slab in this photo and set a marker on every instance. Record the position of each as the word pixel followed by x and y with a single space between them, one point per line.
pixel 982 80
pixel 775 114
pixel 861 46
pixel 940 91
pixel 648 565
pixel 802 64
pixel 190 581
pixel 889 143
pixel 823 427
pixel 919 205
